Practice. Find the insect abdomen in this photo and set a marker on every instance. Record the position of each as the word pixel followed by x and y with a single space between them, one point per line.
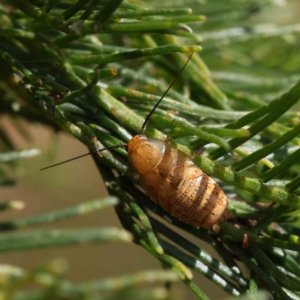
pixel 174 182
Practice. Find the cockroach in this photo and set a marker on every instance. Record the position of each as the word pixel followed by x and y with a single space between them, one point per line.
pixel 172 180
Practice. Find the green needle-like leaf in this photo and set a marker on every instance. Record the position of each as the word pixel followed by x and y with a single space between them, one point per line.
pixel 60 237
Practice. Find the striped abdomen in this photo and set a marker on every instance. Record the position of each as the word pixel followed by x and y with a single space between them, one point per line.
pixel 175 183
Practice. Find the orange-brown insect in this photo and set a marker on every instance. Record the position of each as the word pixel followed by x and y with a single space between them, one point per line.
pixel 172 180
pixel 175 183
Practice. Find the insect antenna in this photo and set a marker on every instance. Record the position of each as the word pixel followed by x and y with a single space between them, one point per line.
pixel 82 155
pixel 164 94
pixel 142 128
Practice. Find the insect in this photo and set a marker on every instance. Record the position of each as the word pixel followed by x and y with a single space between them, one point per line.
pixel 172 180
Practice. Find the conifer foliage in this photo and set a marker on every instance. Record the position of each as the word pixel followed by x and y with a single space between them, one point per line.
pixel 94 69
